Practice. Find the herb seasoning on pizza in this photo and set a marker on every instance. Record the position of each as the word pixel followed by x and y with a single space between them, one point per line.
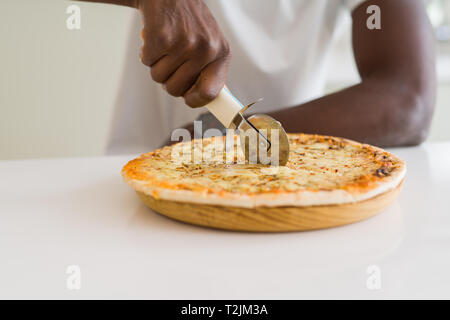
pixel 321 170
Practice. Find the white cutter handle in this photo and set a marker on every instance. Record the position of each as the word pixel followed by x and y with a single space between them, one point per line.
pixel 225 107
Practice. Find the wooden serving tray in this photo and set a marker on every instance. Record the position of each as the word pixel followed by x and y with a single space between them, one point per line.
pixel 271 219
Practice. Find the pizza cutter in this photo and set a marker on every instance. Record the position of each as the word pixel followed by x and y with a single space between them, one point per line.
pixel 263 139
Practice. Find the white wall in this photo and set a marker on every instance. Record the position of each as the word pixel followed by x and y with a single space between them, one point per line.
pixel 58 86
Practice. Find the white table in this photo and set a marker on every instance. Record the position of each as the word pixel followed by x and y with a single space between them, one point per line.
pixel 60 212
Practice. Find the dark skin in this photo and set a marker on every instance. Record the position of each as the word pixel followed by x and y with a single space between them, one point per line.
pixel 183 46
pixel 391 106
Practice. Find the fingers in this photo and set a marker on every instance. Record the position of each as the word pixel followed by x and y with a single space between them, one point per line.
pixel 155 46
pixel 180 69
pixel 209 83
pixel 186 75
pixel 183 79
pixel 192 65
pixel 165 58
pixel 165 67
pixel 198 80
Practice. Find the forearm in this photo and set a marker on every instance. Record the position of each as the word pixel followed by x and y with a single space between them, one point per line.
pixel 394 102
pixel 376 111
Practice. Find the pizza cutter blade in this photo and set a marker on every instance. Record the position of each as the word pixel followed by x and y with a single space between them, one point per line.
pixel 263 139
pixel 269 146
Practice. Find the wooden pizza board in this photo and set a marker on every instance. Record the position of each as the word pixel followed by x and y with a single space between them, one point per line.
pixel 271 219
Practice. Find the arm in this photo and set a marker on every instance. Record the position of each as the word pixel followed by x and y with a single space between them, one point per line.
pixel 393 104
pixel 183 46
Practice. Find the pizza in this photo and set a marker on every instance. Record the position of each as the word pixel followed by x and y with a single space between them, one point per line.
pixel 322 170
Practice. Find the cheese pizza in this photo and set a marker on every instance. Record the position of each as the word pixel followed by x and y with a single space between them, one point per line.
pixel 321 170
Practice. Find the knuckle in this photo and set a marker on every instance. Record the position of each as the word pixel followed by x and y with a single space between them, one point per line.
pixel 226 50
pixel 162 40
pixel 206 49
pixel 202 44
pixel 212 51
pixel 186 47
pixel 190 43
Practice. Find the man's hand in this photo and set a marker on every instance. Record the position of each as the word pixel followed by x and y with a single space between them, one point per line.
pixel 184 48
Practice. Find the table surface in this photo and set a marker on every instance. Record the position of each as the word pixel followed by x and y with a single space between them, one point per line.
pixel 62 212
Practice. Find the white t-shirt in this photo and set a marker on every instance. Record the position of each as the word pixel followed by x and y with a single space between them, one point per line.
pixel 279 47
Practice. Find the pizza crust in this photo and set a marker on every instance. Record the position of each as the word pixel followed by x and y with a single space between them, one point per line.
pixel 298 198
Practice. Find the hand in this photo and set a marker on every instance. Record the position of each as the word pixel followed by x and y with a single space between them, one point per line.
pixel 185 49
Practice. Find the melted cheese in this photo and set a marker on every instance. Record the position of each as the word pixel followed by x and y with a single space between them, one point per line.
pixel 316 163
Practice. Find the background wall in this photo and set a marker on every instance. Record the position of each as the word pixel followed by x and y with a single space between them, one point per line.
pixel 57 86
